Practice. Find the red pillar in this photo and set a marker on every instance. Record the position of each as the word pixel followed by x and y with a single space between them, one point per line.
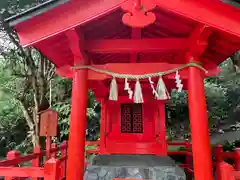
pixel 162 133
pixel 103 127
pixel 237 159
pixel 201 148
pixel 219 159
pixel 76 144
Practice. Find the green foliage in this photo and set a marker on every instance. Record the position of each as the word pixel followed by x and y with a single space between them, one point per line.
pixel 230 146
pixel 11 7
pixel 93 118
pixel 13 129
pixel 63 110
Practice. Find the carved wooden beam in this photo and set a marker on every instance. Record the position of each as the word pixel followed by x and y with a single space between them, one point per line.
pixel 76 43
pixel 136 34
pixel 198 40
pixel 136 45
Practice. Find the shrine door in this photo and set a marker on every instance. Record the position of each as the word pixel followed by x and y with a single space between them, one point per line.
pixel 132 128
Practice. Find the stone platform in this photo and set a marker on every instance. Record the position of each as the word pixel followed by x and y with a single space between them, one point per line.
pixel 150 167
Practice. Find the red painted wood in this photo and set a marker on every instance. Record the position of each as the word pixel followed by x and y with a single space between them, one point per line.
pixel 136 45
pixel 53 154
pixel 76 44
pixel 162 132
pixel 48 123
pixel 33 172
pixel 132 147
pixel 237 159
pixel 76 150
pixel 226 172
pixel 52 169
pixel 10 156
pixel 189 162
pixel 63 159
pixel 199 126
pixel 18 160
pixel 48 146
pixel 41 26
pixel 136 34
pixel 137 17
pixel 212 13
pixel 36 162
pixel 198 41
pixel 78 12
pixel 103 127
pixel 219 159
pixel 92 143
pixel 137 143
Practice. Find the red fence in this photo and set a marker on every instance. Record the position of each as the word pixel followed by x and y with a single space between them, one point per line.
pixel 225 171
pixel 50 165
pixel 187 153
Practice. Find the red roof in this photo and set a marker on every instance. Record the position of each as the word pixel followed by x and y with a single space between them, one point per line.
pixel 97 20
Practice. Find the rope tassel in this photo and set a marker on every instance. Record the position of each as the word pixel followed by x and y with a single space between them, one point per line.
pixel 162 92
pixel 113 95
pixel 128 89
pixel 138 97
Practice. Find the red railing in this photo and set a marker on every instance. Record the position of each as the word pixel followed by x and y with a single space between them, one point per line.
pixel 187 152
pixel 50 165
pixel 225 171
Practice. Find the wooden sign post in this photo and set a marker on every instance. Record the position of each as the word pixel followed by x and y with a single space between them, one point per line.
pixel 48 127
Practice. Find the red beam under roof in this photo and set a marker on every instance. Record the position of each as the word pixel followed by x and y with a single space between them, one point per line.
pixel 136 45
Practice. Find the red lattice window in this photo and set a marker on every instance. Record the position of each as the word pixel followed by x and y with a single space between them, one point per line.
pixel 131 118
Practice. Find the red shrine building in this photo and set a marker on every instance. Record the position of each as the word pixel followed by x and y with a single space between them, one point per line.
pixel 131 54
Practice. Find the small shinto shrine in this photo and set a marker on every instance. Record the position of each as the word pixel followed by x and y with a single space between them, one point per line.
pixel 131 54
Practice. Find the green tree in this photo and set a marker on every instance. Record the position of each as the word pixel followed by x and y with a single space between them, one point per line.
pixel 30 71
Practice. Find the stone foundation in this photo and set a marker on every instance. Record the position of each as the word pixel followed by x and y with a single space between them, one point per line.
pixel 108 167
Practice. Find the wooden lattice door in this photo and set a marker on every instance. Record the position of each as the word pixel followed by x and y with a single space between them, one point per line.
pixel 131 118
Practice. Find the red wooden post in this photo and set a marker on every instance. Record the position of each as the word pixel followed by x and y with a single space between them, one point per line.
pixel 162 132
pixel 63 155
pixel 10 156
pixel 52 169
pixel 227 172
pixel 188 159
pixel 36 162
pixel 201 148
pixel 219 159
pixel 103 127
pixel 237 159
pixel 53 147
pixel 48 146
pixel 76 144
